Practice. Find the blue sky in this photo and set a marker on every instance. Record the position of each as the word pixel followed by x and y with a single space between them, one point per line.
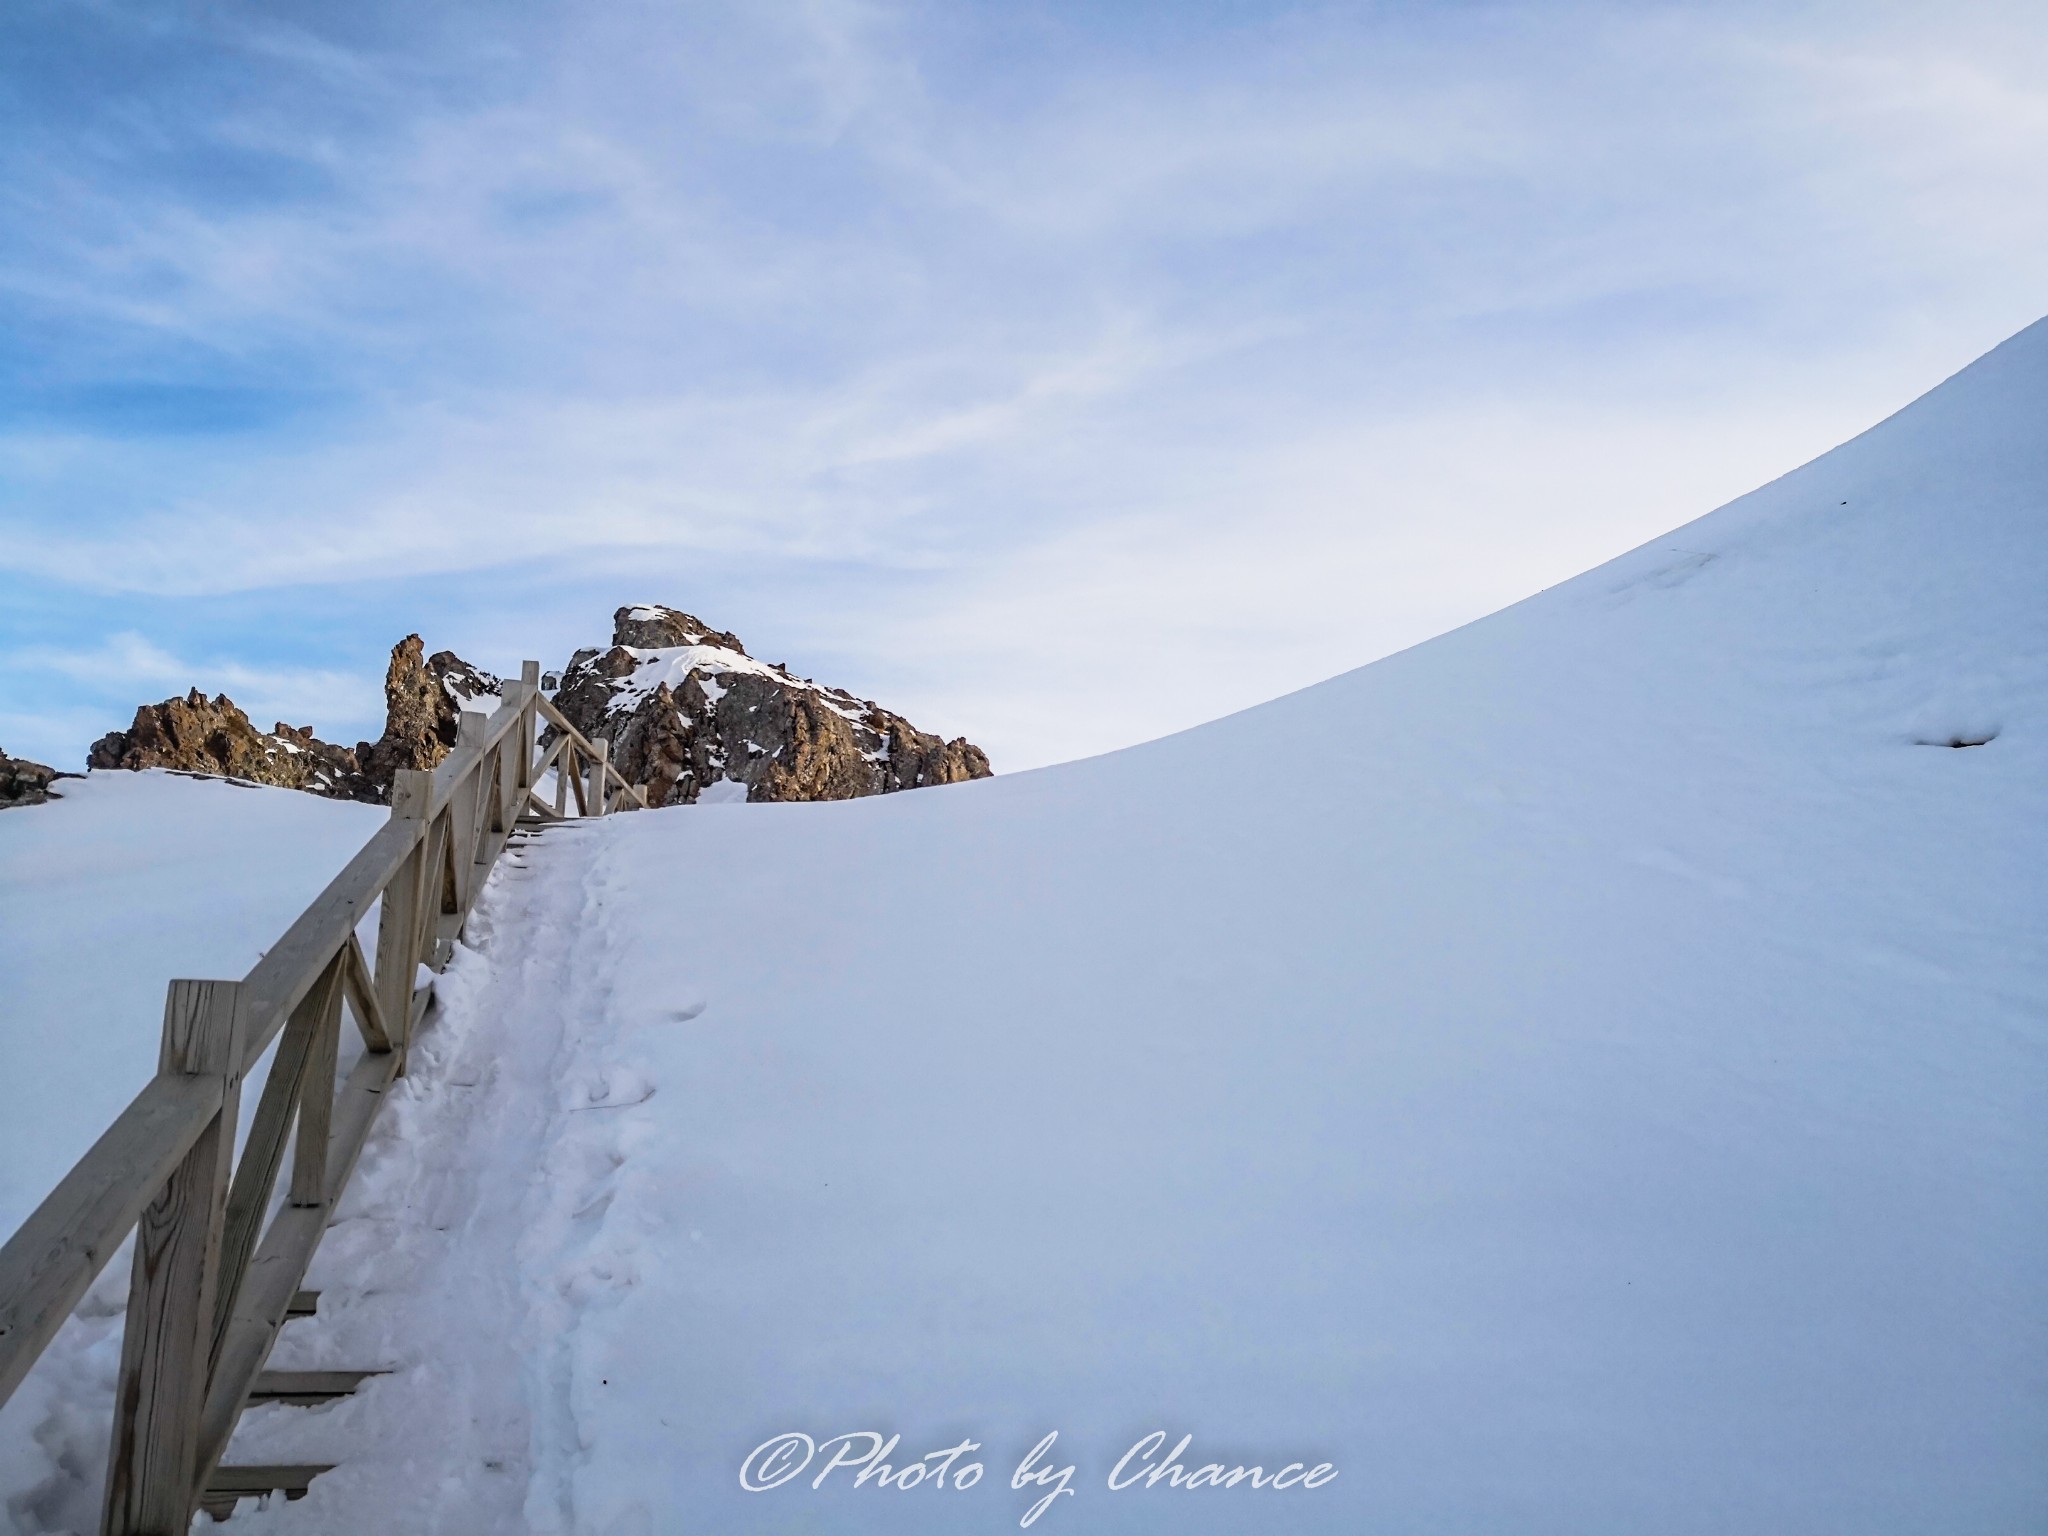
pixel 1058 374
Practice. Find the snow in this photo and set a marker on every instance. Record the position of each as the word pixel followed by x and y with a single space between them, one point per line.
pixel 129 880
pixel 1583 1074
pixel 673 664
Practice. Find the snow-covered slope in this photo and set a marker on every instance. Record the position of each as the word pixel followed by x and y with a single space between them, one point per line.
pixel 128 880
pixel 1595 1080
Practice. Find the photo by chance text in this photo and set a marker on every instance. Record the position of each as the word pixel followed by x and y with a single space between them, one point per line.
pixel 864 1457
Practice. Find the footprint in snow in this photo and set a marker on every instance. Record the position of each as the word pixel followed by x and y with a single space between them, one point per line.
pixel 617 1092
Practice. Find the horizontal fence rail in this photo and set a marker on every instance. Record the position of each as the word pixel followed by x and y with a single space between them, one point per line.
pixel 218 1257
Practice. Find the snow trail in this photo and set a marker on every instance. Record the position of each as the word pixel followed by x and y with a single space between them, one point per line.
pixel 462 1255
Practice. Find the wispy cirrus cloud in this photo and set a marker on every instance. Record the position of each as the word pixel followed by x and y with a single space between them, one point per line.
pixel 915 335
pixel 131 661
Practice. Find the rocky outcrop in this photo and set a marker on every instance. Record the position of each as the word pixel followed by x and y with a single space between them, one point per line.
pixel 650 628
pixel 687 712
pixel 423 700
pixel 423 697
pixel 25 783
pixel 686 709
pixel 196 734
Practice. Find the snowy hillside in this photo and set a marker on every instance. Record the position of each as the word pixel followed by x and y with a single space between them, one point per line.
pixel 128 880
pixel 1597 1082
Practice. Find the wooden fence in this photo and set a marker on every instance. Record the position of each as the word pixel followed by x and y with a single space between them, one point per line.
pixel 218 1257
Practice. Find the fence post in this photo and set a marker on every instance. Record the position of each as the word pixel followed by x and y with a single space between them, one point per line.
pixel 466 809
pixel 316 1099
pixel 529 723
pixel 399 919
pixel 598 787
pixel 151 1462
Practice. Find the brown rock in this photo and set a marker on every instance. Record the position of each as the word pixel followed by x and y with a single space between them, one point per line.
pixel 651 628
pixel 196 734
pixel 730 718
pixel 422 715
pixel 917 758
pixel 25 783
pixel 653 747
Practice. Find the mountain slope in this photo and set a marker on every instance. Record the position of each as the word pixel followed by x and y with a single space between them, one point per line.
pixel 1592 1080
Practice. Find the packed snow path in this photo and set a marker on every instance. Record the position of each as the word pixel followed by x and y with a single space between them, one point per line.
pixel 1585 1074
pixel 468 1207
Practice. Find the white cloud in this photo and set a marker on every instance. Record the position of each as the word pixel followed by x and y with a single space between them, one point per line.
pixel 129 665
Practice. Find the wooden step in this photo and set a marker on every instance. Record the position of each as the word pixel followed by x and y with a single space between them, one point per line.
pixel 306 1387
pixel 304 1304
pixel 231 1483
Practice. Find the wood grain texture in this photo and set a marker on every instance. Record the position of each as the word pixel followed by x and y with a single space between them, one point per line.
pixel 576 771
pixel 400 921
pixel 263 1151
pixel 151 1488
pixel 230 1484
pixel 600 767
pixel 280 1263
pixel 316 1105
pixel 529 725
pixel 361 991
pixel 290 967
pixel 55 1255
pixel 307 1386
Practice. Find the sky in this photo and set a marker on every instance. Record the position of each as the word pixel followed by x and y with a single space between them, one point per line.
pixel 1060 375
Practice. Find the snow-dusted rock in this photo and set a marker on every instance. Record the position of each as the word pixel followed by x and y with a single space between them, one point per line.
pixel 685 707
pixel 683 704
pixel 196 734
pixel 424 697
pixel 25 783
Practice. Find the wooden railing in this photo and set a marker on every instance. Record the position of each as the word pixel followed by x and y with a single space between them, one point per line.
pixel 218 1259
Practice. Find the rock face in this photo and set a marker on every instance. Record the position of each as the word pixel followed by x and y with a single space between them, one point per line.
pixel 688 711
pixel 423 699
pixel 196 734
pixel 423 702
pixel 25 783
